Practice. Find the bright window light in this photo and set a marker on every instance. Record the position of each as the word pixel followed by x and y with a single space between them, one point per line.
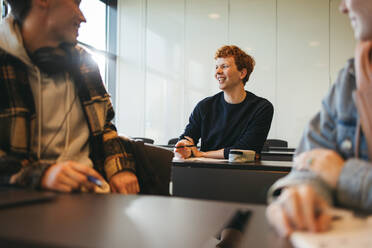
pixel 93 32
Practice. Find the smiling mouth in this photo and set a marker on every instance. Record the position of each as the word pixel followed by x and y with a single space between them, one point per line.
pixel 220 79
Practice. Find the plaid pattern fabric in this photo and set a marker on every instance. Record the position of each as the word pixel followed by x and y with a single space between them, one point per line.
pixel 17 114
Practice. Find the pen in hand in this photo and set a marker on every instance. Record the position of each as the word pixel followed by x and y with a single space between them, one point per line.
pixel 95 181
pixel 185 146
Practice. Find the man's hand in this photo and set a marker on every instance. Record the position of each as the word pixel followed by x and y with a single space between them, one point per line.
pixel 68 176
pixel 180 149
pixel 124 182
pixel 327 164
pixel 298 208
pixel 197 153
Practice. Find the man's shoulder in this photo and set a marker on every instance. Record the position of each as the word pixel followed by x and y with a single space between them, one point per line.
pixel 258 100
pixel 211 99
pixel 344 86
pixel 8 61
pixel 5 56
pixel 85 57
pixel 346 77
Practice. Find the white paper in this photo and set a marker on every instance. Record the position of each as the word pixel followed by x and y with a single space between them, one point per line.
pixel 201 159
pixel 347 232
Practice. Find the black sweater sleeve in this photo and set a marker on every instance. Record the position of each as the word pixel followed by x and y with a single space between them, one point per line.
pixel 193 128
pixel 256 132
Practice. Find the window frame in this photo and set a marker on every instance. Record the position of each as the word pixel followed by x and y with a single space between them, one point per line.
pixel 111 48
pixel 3 9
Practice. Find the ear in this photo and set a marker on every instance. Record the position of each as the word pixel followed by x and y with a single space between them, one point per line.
pixel 243 73
pixel 41 3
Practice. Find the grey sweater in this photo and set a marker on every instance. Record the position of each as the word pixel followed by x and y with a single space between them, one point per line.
pixel 334 127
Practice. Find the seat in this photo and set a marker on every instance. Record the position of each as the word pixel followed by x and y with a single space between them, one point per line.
pixel 276 143
pixel 269 143
pixel 153 166
pixel 145 140
pixel 173 141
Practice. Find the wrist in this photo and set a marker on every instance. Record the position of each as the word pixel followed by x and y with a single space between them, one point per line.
pixel 333 180
pixel 196 153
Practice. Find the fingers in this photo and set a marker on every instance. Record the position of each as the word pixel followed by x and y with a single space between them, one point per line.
pixel 308 202
pixel 132 187
pixel 125 183
pixel 85 170
pixel 63 188
pixel 68 181
pixel 292 203
pixel 113 188
pixel 68 176
pixel 323 221
pixel 184 152
pixel 298 208
pixel 278 219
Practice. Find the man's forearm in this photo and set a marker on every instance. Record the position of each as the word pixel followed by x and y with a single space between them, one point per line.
pixel 213 154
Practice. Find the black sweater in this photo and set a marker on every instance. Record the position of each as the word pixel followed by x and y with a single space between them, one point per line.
pixel 222 125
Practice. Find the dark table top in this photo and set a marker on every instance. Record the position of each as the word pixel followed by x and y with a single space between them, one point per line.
pixel 223 164
pixel 88 220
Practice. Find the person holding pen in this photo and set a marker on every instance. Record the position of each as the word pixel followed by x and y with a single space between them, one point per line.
pixel 55 114
pixel 233 118
pixel 333 162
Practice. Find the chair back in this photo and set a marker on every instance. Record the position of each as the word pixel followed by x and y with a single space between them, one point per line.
pixel 145 140
pixel 173 141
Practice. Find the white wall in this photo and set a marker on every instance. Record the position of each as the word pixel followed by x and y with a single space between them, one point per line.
pixel 166 50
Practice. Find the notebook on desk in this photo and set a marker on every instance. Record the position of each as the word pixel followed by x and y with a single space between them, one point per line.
pixel 10 196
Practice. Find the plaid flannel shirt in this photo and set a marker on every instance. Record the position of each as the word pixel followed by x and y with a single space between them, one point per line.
pixel 17 110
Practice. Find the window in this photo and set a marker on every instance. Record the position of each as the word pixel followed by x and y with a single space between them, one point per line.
pixel 98 36
pixel 3 9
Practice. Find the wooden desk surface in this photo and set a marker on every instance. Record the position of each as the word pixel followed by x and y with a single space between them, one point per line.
pixel 87 220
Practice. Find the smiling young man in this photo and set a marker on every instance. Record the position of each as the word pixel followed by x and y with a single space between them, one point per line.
pixel 54 110
pixel 233 118
pixel 333 163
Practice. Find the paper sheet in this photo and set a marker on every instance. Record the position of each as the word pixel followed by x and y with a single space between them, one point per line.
pixel 201 159
pixel 347 232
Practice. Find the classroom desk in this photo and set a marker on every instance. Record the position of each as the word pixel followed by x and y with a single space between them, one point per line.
pixel 224 181
pixel 88 220
pixel 277 155
pixel 272 154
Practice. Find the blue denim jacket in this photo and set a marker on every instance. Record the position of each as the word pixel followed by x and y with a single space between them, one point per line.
pixel 334 127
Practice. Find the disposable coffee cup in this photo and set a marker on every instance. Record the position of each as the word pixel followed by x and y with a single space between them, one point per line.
pixel 239 156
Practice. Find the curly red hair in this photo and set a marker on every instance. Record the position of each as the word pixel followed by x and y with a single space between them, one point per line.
pixel 242 59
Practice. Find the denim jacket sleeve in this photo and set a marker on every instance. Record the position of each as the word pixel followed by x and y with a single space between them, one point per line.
pixel 354 187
